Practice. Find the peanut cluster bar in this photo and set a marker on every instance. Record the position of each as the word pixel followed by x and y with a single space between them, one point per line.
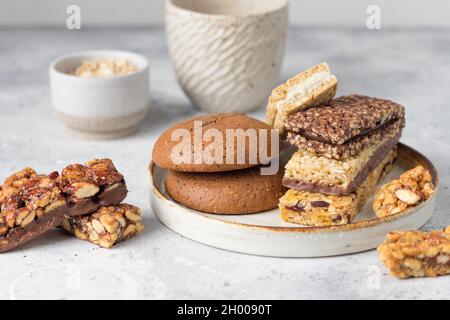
pixel 26 196
pixel 318 209
pixel 411 188
pixel 31 203
pixel 107 226
pixel 308 171
pixel 84 181
pixel 416 253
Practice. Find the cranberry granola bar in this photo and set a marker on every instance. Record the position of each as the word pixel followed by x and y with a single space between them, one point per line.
pixel 318 209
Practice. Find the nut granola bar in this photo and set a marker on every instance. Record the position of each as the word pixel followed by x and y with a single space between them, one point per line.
pixel 31 203
pixel 410 189
pixel 416 253
pixel 318 209
pixel 107 226
pixel 84 181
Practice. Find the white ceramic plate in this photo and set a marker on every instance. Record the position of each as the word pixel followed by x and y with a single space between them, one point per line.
pixel 266 234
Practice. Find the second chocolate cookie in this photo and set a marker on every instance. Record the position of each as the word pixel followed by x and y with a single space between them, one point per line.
pixel 236 192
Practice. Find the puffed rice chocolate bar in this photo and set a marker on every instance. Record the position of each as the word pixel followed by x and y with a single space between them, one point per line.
pixel 31 203
pixel 307 89
pixel 416 254
pixel 308 171
pixel 107 226
pixel 344 118
pixel 351 147
pixel 410 189
pixel 318 209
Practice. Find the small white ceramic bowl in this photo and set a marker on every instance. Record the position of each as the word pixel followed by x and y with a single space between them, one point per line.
pixel 100 108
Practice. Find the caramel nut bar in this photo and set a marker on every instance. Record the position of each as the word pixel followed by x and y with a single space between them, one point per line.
pixel 107 226
pixel 31 203
pixel 410 189
pixel 344 118
pixel 84 181
pixel 318 209
pixel 308 171
pixel 416 254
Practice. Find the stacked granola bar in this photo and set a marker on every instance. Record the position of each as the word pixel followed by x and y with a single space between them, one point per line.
pixel 31 203
pixel 344 148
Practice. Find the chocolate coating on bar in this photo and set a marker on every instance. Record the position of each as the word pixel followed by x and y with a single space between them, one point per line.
pixel 351 147
pixel 344 118
pixel 19 236
pixel 378 156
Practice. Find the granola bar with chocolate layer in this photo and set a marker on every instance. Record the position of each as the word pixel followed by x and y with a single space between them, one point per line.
pixel 410 189
pixel 344 118
pixel 31 203
pixel 416 254
pixel 308 171
pixel 107 226
pixel 318 209
pixel 351 147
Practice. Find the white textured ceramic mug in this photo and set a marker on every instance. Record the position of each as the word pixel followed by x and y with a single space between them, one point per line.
pixel 100 108
pixel 227 54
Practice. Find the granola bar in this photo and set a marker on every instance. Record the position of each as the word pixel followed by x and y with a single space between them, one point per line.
pixel 318 209
pixel 416 253
pixel 307 89
pixel 308 171
pixel 351 147
pixel 107 226
pixel 410 189
pixel 31 203
pixel 344 118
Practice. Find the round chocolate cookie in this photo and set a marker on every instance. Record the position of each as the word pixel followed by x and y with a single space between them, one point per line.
pixel 210 143
pixel 237 192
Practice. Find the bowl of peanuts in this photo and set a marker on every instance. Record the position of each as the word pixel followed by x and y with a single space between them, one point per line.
pixel 100 94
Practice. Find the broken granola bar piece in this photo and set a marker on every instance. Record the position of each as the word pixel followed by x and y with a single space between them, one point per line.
pixel 318 209
pixel 107 226
pixel 410 189
pixel 416 253
pixel 84 181
pixel 31 203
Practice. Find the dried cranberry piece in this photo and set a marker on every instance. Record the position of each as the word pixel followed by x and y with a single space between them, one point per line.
pixel 320 204
pixel 297 207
